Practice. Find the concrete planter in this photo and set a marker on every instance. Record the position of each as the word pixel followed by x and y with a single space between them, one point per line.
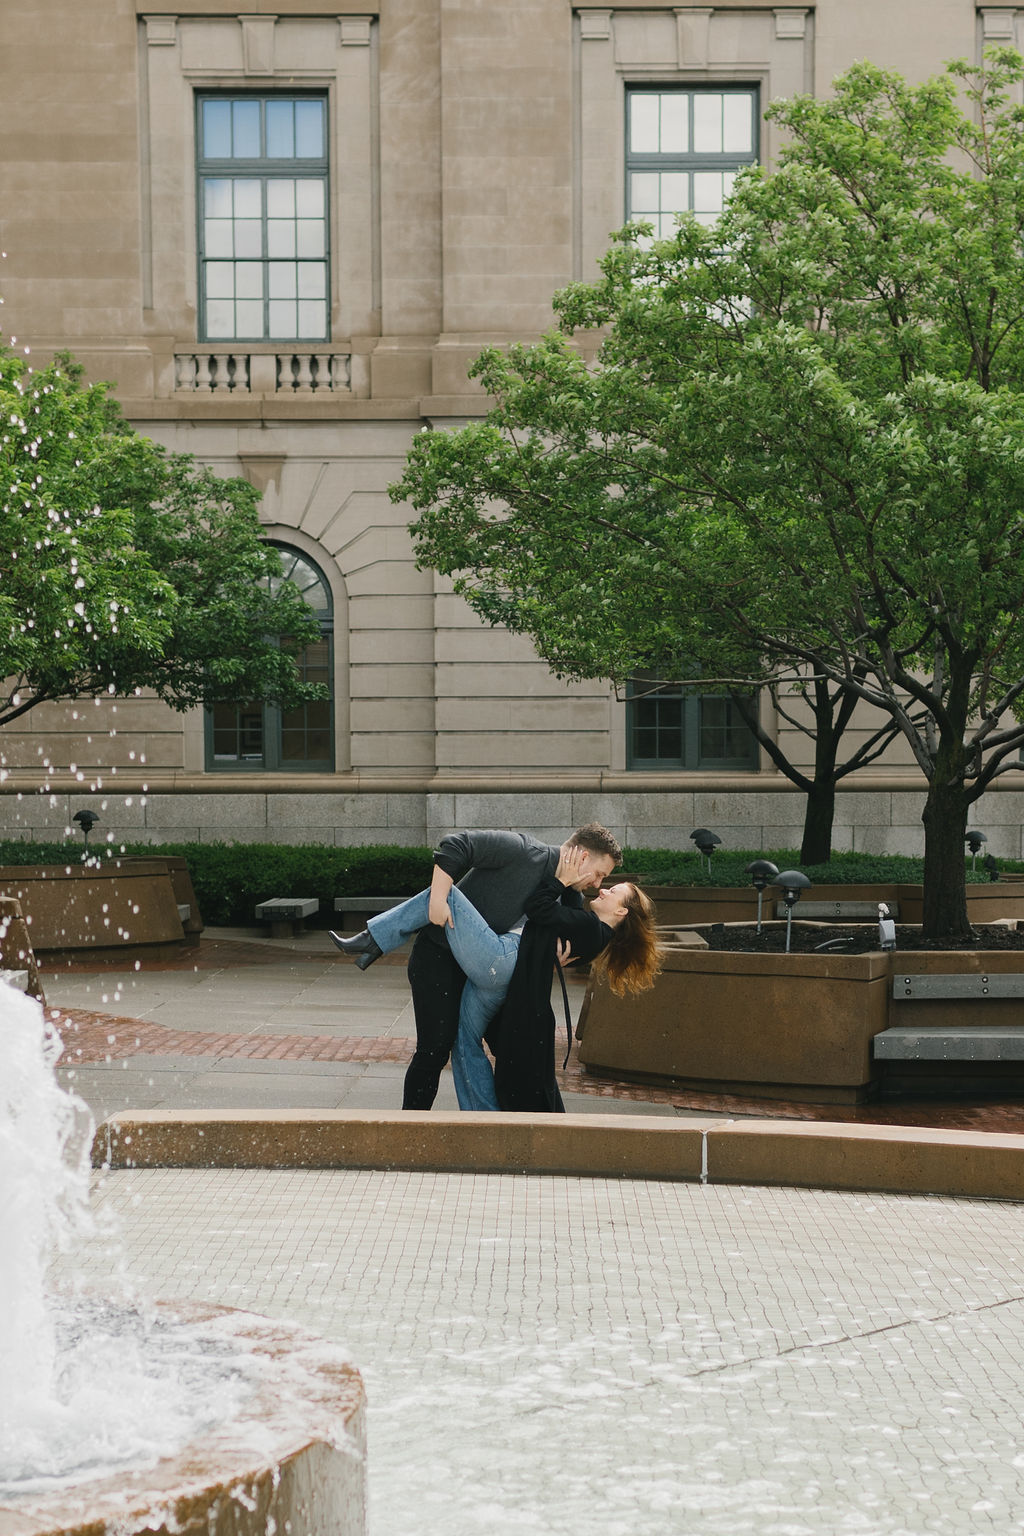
pixel 16 953
pixel 774 1026
pixel 70 908
pixel 184 890
pixel 801 1027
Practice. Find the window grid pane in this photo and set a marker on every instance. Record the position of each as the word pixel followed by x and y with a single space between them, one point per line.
pixel 669 729
pixel 253 736
pixel 263 235
pixel 684 148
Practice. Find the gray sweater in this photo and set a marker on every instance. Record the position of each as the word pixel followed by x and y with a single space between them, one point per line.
pixel 497 871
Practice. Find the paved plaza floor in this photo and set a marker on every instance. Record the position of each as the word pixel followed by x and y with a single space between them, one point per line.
pixel 554 1356
pixel 576 1356
pixel 240 1023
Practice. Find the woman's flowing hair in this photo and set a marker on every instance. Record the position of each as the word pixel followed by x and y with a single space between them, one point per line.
pixel 631 960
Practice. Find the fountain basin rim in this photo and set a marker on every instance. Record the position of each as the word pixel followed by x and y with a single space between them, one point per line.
pixel 330 1418
pixel 820 1154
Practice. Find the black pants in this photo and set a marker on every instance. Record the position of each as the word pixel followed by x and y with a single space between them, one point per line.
pixel 437 981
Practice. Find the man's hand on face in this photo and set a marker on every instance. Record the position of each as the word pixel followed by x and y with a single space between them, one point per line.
pixel 572 869
pixel 590 868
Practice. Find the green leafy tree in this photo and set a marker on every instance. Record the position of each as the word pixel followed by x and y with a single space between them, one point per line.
pixel 123 567
pixel 796 449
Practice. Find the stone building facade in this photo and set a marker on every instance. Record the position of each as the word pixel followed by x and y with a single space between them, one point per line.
pixel 282 229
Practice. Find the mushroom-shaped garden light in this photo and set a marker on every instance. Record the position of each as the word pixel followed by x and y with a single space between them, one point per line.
pixel 792 883
pixel 86 820
pixel 762 872
pixel 706 842
pixel 974 841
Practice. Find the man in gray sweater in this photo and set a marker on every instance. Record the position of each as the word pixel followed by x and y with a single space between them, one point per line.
pixel 497 871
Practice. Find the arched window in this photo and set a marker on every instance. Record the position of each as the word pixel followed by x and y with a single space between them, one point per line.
pixel 253 737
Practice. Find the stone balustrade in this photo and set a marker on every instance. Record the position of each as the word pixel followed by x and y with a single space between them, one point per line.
pixel 290 372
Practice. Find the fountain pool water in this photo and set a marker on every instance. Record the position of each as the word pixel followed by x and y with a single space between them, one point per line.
pixel 129 1415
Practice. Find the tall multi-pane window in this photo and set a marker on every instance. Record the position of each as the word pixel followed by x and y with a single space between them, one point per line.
pixel 263 226
pixel 264 736
pixel 667 728
pixel 683 149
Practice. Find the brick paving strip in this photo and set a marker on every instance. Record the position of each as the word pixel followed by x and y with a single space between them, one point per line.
pixel 91 1038
pixel 99 1037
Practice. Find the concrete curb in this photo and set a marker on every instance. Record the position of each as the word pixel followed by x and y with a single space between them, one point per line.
pixel 808 1154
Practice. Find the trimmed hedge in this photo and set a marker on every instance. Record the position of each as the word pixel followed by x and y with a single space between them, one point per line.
pixel 231 878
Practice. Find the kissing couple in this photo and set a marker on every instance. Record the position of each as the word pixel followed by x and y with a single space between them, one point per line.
pixel 501 912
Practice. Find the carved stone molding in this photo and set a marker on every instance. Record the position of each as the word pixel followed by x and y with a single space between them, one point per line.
pixel 161 31
pixel 790 23
pixel 693 36
pixel 999 25
pixel 258 44
pixel 595 26
pixel 354 31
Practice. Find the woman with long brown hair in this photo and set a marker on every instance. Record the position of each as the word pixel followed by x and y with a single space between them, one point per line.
pixel 617 933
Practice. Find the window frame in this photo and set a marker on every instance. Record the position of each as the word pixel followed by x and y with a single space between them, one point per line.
pixel 691 702
pixel 272 759
pixel 688 161
pixel 263 168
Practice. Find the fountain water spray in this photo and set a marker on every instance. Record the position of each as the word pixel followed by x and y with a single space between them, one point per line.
pixel 44 1203
pixel 83 1384
pixel 120 1418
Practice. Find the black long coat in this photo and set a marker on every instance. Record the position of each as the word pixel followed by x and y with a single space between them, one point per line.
pixel 523 1034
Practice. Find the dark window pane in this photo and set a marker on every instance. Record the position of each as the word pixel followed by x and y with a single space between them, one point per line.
pixel 670 745
pixel 237 732
pixel 254 735
pixel 723 735
pixel 657 726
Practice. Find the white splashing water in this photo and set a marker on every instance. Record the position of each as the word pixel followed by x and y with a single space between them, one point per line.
pixel 89 1385
pixel 44 1200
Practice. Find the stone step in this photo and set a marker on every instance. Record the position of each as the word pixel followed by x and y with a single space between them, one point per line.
pixel 988 1042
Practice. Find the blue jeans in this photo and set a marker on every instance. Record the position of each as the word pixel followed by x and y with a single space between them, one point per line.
pixel 488 959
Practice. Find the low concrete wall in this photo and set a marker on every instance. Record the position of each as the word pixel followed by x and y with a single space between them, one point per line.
pixel 81 908
pixel 811 1154
pixel 876 812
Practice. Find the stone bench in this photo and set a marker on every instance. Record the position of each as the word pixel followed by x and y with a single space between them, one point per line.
pixel 931 987
pixel 995 1042
pixel 841 911
pixel 286 914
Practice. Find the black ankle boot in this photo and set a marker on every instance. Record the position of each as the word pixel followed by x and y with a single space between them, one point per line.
pixel 363 947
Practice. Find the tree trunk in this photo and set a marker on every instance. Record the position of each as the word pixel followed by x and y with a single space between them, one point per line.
pixel 819 813
pixel 945 885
